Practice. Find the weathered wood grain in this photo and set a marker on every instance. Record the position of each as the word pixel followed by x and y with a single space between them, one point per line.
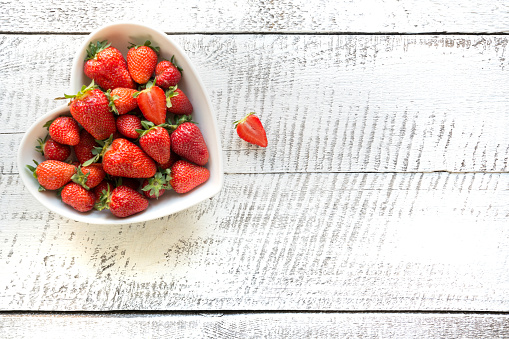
pixel 272 242
pixel 329 103
pixel 255 325
pixel 262 16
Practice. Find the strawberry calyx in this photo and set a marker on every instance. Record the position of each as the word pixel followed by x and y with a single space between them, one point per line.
pixel 93 50
pixel 170 93
pixel 238 122
pixel 81 178
pixel 160 181
pixel 111 100
pixel 48 123
pixel 82 93
pixel 33 169
pixel 179 121
pixel 146 88
pixel 40 148
pixel 104 200
pixel 147 44
pixel 99 151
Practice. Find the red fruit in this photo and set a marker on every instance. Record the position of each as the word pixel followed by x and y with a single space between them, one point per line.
pixel 90 107
pixel 125 159
pixel 167 74
pixel 122 100
pixel 123 202
pixel 177 102
pixel 187 141
pixel 104 186
pixel 251 130
pixel 64 130
pixel 77 197
pixel 154 187
pixel 52 174
pixel 173 158
pixel 156 142
pixel 141 61
pixel 89 176
pixel 152 103
pixel 186 176
pixel 128 124
pixel 107 67
pixel 83 149
pixel 53 150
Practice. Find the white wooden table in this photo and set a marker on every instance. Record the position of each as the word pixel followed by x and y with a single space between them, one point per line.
pixel 379 209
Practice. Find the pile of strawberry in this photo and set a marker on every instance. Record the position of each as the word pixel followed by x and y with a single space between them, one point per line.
pixel 131 131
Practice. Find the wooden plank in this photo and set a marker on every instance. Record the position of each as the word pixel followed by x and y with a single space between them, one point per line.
pixel 272 242
pixel 329 103
pixel 262 16
pixel 255 325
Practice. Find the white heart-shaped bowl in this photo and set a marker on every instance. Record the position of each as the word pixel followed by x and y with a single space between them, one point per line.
pixel 120 35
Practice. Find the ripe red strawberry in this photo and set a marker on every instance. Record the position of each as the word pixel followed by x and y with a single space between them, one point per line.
pixel 64 130
pixel 90 107
pixel 104 185
pixel 128 124
pixel 186 176
pixel 177 102
pixel 187 141
pixel 154 187
pixel 122 100
pixel 141 61
pixel 155 141
pixel 125 159
pixel 173 158
pixel 83 149
pixel 251 130
pixel 123 202
pixel 152 103
pixel 53 150
pixel 89 176
pixel 52 174
pixel 168 73
pixel 77 197
pixel 107 67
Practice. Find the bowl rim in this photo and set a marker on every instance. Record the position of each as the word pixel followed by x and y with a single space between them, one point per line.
pixel 212 189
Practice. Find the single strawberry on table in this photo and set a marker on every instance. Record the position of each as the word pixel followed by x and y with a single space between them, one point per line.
pixel 155 141
pixel 52 150
pixel 185 176
pixel 90 107
pixel 168 73
pixel 52 174
pixel 107 66
pixel 188 142
pixel 142 61
pixel 127 125
pixel 251 130
pixel 78 197
pixel 177 102
pixel 64 130
pixel 122 100
pixel 152 103
pixel 123 201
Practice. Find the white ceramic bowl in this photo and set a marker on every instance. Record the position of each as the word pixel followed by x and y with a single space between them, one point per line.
pixel 120 34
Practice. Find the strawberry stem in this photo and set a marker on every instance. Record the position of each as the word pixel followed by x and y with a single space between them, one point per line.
pixel 93 50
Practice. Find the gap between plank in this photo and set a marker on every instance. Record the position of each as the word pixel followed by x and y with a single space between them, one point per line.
pixel 209 313
pixel 274 33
